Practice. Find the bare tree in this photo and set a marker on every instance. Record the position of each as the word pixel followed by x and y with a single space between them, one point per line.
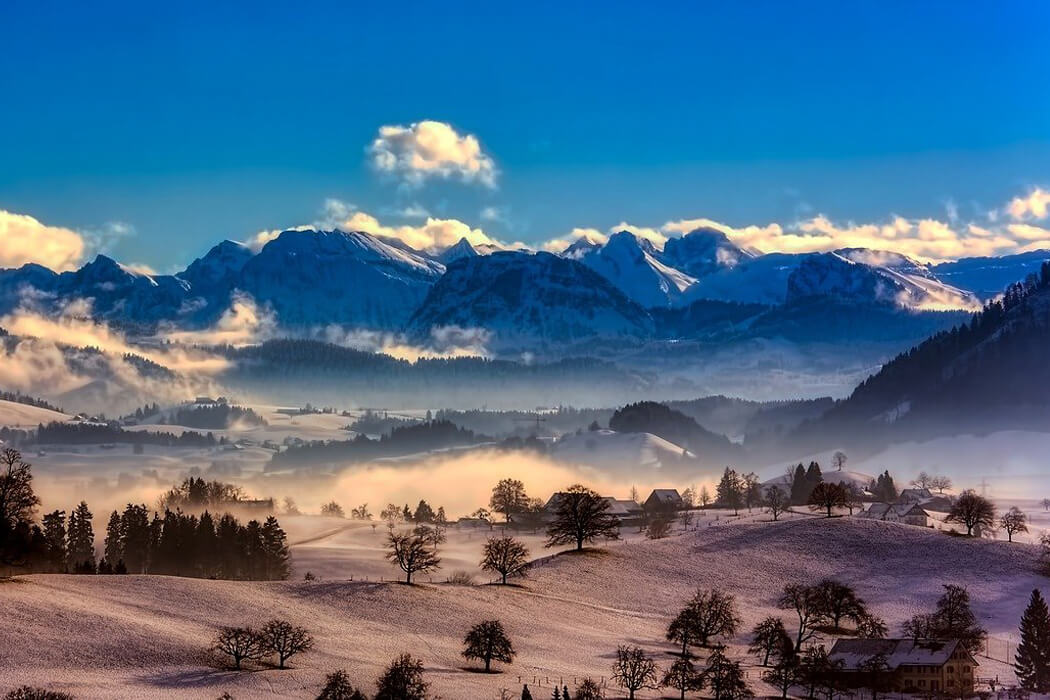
pixel 837 601
pixel 487 642
pixel 505 556
pixel 337 686
pixel 726 678
pixel 240 644
pixel 704 497
pixel 412 553
pixel 838 460
pixel 972 510
pixel 806 604
pixel 922 480
pixel 683 677
pixel 361 512
pixel 581 516
pixel 659 526
pixel 827 495
pixel 1013 521
pixel 708 614
pixel 508 498
pixel 1046 504
pixel 634 670
pixel 777 501
pixel 284 639
pixel 402 680
pixel 332 510
pixel 17 501
pixel 768 638
pixel 940 484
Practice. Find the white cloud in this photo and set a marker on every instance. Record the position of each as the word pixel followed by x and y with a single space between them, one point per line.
pixel 1035 205
pixel 23 240
pixel 430 149
pixel 244 323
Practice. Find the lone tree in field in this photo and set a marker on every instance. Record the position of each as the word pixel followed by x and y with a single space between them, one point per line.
pixel 412 553
pixel 634 670
pixel 837 601
pixel 725 678
pixel 332 510
pixel 776 501
pixel 487 642
pixel 509 498
pixel 769 638
pixel 581 516
pixel 337 686
pixel 1013 521
pixel 786 670
pixel 240 644
pixel 505 556
pixel 708 614
pixel 285 640
pixel 940 484
pixel 18 503
pixel 826 496
pixel 806 604
pixel 1033 653
pixel 683 677
pixel 402 680
pixel 588 689
pixel 972 510
pixel 922 481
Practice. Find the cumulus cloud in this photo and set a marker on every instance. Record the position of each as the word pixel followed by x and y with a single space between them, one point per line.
pixel 925 239
pixel 1036 205
pixel 24 239
pixel 244 323
pixel 431 149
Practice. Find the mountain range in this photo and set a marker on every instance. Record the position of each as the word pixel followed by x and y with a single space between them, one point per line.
pixel 626 288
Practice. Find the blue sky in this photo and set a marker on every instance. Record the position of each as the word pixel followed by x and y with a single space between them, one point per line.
pixel 190 124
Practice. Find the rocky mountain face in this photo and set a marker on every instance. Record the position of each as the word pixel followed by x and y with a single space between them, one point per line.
pixel 529 301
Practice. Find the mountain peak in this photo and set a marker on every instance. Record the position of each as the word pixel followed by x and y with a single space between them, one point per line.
pixel 461 249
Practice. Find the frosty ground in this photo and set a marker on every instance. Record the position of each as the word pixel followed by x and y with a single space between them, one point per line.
pixel 136 636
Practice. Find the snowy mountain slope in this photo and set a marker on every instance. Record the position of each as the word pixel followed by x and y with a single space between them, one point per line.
pixel 462 249
pixel 621 452
pixel 529 300
pixel 314 278
pixel 219 267
pixel 633 265
pixel 757 280
pixel 871 276
pixel 704 251
pixel 988 277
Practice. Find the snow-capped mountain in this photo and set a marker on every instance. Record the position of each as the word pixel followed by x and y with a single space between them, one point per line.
pixel 462 249
pixel 219 267
pixel 866 276
pixel 633 265
pixel 988 277
pixel 312 278
pixel 529 301
pixel 704 251
pixel 115 292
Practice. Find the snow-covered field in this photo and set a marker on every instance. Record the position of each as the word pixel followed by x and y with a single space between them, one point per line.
pixel 144 637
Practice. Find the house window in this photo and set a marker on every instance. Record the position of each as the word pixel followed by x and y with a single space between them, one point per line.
pixel 922 683
pixel 951 682
pixel 951 669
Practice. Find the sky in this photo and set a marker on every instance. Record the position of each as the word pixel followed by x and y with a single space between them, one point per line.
pixel 151 132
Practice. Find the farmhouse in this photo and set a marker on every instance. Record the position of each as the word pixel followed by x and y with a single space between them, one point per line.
pixel 907 513
pixel 665 498
pixel 909 665
pixel 624 509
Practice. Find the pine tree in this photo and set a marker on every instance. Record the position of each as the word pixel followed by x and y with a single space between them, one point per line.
pixel 81 548
pixel 55 537
pixel 275 551
pixel 1033 653
pixel 799 492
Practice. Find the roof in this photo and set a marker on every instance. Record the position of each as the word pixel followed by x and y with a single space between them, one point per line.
pixel 898 652
pixel 895 510
pixel 622 506
pixel 665 495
